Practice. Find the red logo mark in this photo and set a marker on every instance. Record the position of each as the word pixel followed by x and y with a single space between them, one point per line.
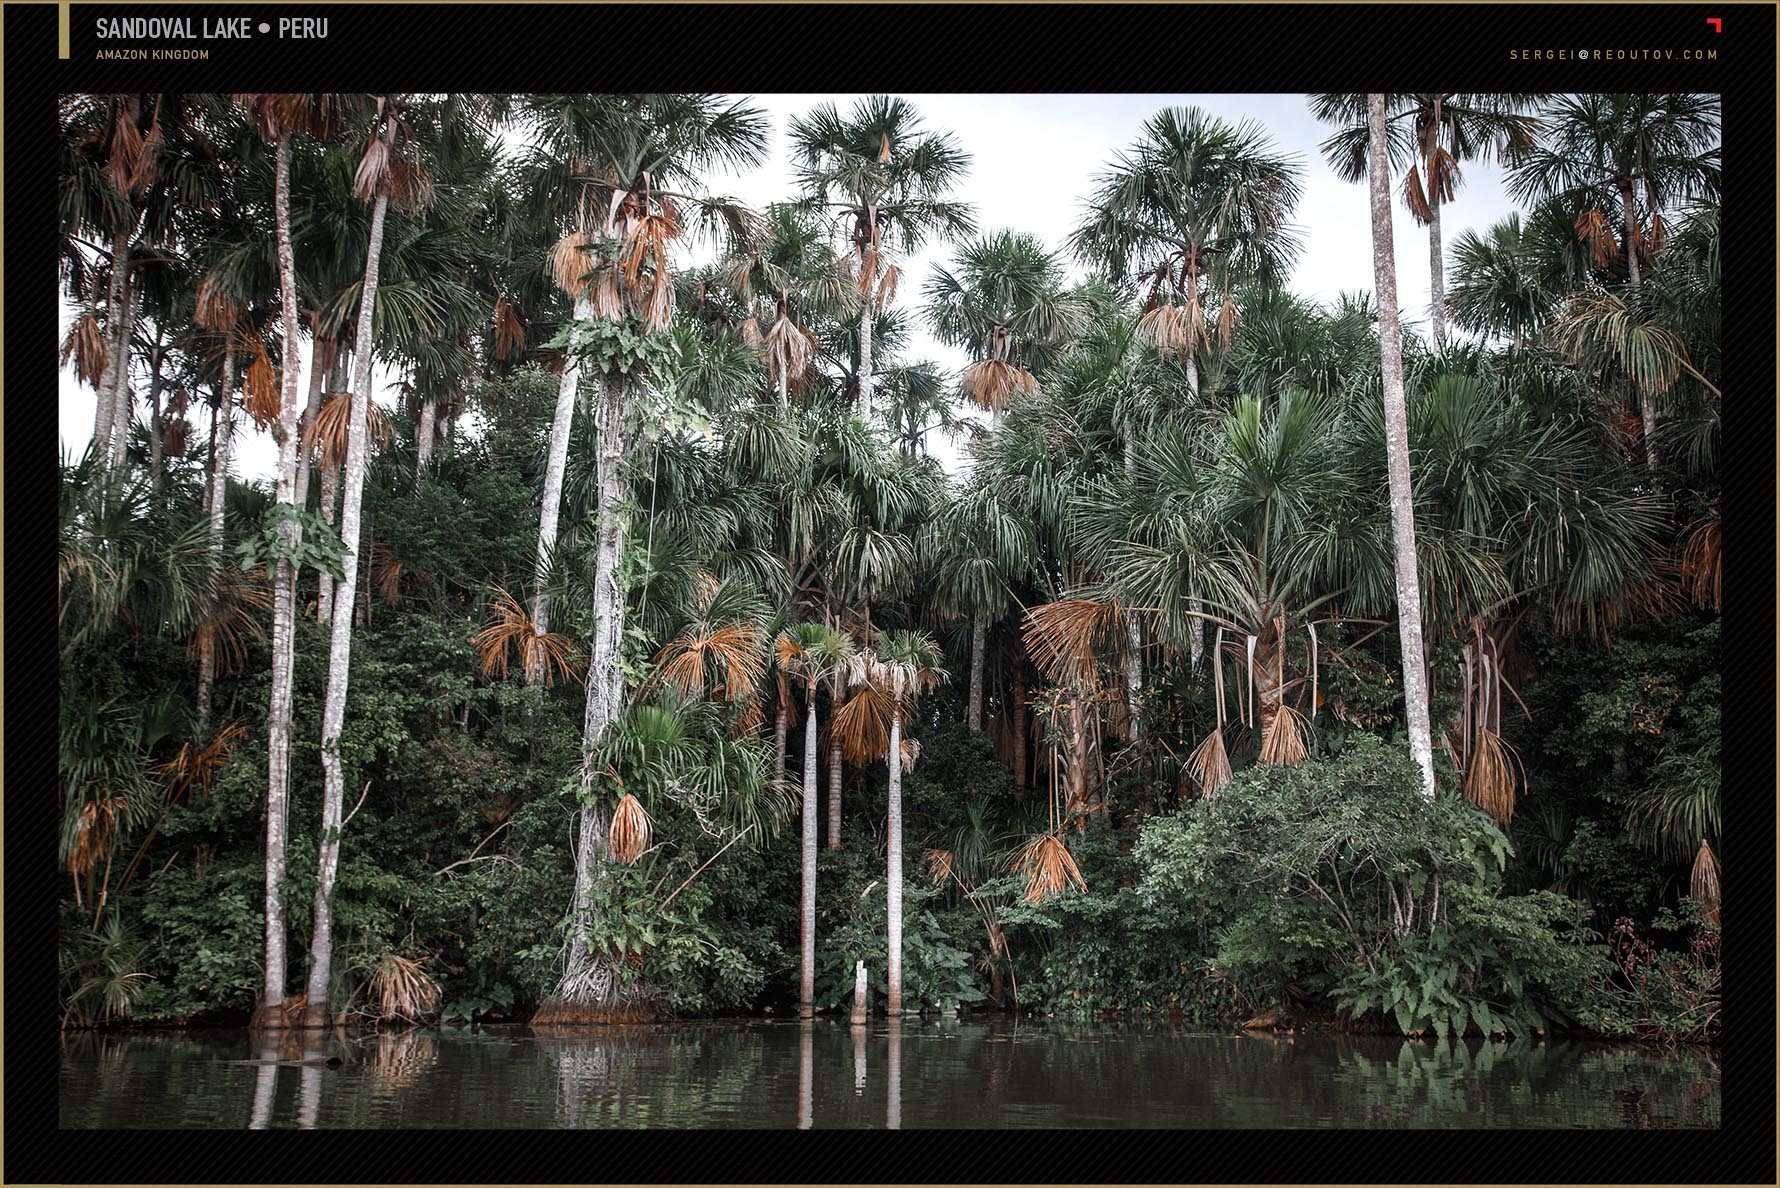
pixel 1717 24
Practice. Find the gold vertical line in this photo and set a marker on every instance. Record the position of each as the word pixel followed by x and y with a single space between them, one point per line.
pixel 62 29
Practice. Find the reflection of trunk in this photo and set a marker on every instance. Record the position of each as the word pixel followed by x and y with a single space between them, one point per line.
pixel 834 766
pixel 222 430
pixel 265 1088
pixel 974 715
pixel 321 950
pixel 284 597
pixel 554 468
pixel 589 978
pixel 806 993
pixel 859 1061
pixel 1409 604
pixel 806 1070
pixel 1019 713
pixel 309 1096
pixel 893 883
pixel 893 1099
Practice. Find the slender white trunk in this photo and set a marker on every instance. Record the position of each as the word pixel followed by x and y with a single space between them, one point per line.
pixel 893 877
pixel 835 772
pixel 429 415
pixel 866 317
pixel 317 384
pixel 806 991
pixel 784 388
pixel 1646 398
pixel 1436 278
pixel 271 1012
pixel 1133 630
pixel 974 714
pixel 554 468
pixel 1390 339
pixel 222 430
pixel 105 392
pixel 1192 365
pixel 582 983
pixel 330 514
pixel 893 1095
pixel 781 728
pixel 806 1074
pixel 123 405
pixel 321 945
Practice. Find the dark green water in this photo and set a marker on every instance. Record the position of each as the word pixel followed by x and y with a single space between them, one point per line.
pixel 913 1074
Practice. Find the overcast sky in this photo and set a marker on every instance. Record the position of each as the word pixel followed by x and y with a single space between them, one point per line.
pixel 1033 159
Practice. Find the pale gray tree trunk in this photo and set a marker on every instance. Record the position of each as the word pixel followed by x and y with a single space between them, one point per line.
pixel 117 344
pixel 781 728
pixel 554 468
pixel 973 717
pixel 588 977
pixel 330 503
pixel 893 876
pixel 222 431
pixel 1192 366
pixel 123 404
pixel 1436 278
pixel 317 385
pixel 1646 398
pixel 1390 339
pixel 866 318
pixel 784 388
pixel 893 1095
pixel 284 597
pixel 321 944
pixel 423 444
pixel 835 773
pixel 1133 630
pixel 806 1074
pixel 806 987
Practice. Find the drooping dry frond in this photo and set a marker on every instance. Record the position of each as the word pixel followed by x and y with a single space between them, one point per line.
pixel 509 328
pixel 196 766
pixel 1491 780
pixel 570 262
pixel 721 660
pixel 1209 764
pixel 1703 888
pixel 1283 744
pixel 126 150
pixel 408 185
pixel 1069 638
pixel 231 621
pixel 400 988
pixel 325 437
pixel 95 831
pixel 789 349
pixel 261 383
pixel 863 724
pixel 992 382
pixel 910 751
pixel 939 866
pixel 630 830
pixel 1414 199
pixel 1595 229
pixel 373 169
pixel 85 345
pixel 1702 563
pixel 1047 867
pixel 543 657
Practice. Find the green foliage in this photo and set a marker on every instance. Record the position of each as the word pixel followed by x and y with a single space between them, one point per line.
pixel 319 547
pixel 613 346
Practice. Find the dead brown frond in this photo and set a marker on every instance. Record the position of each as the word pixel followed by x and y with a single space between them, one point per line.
pixel 126 150
pixel 884 149
pixel 409 186
pixel 509 328
pixel 261 383
pixel 85 345
pixel 387 571
pixel 863 724
pixel 1702 562
pixel 630 831
pixel 232 620
pixel 1209 764
pixel 992 382
pixel 176 436
pixel 1229 322
pixel 1491 781
pixel 1703 889
pixel 910 750
pixel 373 169
pixel 396 1060
pixel 1414 199
pixel 722 660
pixel 1595 229
pixel 1047 867
pixel 1284 744
pixel 400 988
pixel 95 830
pixel 326 437
pixel 939 866
pixel 1067 639
pixel 789 349
pixel 543 657
pixel 751 718
pixel 570 263
pixel 887 282
pixel 196 766
pixel 215 309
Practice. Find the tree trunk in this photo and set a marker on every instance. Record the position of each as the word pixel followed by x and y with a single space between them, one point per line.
pixel 1133 631
pixel 781 728
pixel 1646 398
pixel 784 388
pixel 222 430
pixel 866 318
pixel 290 533
pixel 123 407
pixel 554 468
pixel 1390 338
pixel 155 425
pixel 587 979
pixel 893 879
pixel 330 503
pixel 834 767
pixel 118 344
pixel 893 1077
pixel 1019 713
pixel 423 453
pixel 321 946
pixel 974 714
pixel 806 992
pixel 1436 278
pixel 1192 365
pixel 318 353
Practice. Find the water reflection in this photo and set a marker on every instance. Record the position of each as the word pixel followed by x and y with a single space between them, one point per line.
pixel 969 1073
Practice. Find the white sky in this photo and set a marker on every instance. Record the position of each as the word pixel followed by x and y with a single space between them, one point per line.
pixel 1033 161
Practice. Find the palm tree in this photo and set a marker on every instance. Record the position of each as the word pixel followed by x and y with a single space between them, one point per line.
pixel 1196 209
pixel 1503 282
pixel 899 670
pixel 795 268
pixel 1005 302
pixel 881 172
pixel 812 652
pixel 617 159
pixel 975 548
pixel 1619 161
pixel 1390 345
pixel 1432 134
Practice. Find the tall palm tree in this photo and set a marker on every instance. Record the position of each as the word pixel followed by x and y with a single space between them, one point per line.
pixel 1504 282
pixel 793 271
pixel 614 161
pixel 1390 345
pixel 1619 161
pixel 1197 210
pixel 388 172
pixel 881 172
pixel 1432 134
pixel 975 547
pixel 812 652
pixel 902 666
pixel 1006 303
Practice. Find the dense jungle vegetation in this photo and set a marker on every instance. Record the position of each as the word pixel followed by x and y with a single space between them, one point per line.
pixel 683 679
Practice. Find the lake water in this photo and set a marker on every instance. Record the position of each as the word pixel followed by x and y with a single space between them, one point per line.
pixel 914 1073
